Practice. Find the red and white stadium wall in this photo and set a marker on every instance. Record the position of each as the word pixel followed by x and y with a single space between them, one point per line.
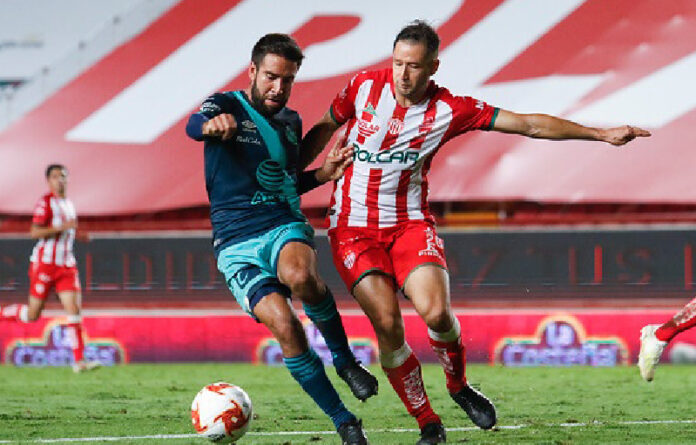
pixel 597 337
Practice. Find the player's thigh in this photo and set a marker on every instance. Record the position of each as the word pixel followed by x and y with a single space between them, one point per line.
pixel 377 295
pixel 427 286
pixel 358 253
pixel 34 307
pixel 414 245
pixel 274 311
pixel 246 274
pixel 292 246
pixel 41 280
pixel 67 285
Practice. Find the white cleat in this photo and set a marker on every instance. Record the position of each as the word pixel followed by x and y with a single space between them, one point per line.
pixel 650 351
pixel 85 366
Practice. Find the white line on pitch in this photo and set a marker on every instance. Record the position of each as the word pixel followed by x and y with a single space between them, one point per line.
pixel 386 430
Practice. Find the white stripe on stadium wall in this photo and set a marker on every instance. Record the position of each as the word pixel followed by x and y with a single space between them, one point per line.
pixel 148 108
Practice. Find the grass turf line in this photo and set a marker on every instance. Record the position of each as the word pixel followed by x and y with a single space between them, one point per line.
pixel 144 400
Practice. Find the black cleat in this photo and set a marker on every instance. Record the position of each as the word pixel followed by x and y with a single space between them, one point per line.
pixel 432 433
pixel 352 433
pixel 477 406
pixel 361 382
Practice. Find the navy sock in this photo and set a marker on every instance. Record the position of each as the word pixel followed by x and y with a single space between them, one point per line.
pixel 308 370
pixel 326 318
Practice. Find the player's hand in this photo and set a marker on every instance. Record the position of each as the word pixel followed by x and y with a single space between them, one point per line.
pixel 67 225
pixel 83 236
pixel 623 135
pixel 337 161
pixel 223 126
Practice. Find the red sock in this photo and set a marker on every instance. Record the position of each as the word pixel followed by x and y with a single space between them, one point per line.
pixel 683 320
pixel 452 357
pixel 407 381
pixel 12 312
pixel 78 344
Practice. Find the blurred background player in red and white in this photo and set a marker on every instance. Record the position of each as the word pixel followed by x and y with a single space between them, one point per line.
pixel 53 265
pixel 382 233
pixel 654 338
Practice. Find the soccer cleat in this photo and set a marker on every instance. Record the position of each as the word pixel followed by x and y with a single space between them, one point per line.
pixel 650 351
pixel 432 433
pixel 83 366
pixel 361 382
pixel 352 433
pixel 477 406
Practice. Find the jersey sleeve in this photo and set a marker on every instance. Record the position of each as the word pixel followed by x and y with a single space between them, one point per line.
pixel 471 114
pixel 343 106
pixel 214 105
pixel 42 213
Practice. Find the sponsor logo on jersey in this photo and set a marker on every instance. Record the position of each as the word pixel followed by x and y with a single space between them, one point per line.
pixel 55 348
pixel 268 350
pixel 395 126
pixel 560 340
pixel 391 156
pixel 367 129
pixel 433 245
pixel 248 140
pixel 290 135
pixel 261 197
pixel 369 109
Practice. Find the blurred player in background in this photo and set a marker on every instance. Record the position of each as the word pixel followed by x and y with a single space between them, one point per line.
pixel 382 233
pixel 654 338
pixel 53 264
pixel 263 243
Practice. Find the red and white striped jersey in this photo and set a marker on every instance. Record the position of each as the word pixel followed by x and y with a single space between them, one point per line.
pixel 52 211
pixel 394 146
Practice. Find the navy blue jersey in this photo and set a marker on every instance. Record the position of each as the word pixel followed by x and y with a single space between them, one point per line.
pixel 250 178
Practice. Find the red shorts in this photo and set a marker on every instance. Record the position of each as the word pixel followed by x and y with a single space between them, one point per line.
pixel 395 251
pixel 44 277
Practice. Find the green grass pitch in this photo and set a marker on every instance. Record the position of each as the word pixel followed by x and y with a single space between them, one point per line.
pixel 536 405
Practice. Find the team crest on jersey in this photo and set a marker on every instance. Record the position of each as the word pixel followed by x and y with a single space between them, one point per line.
pixel 427 125
pixel 370 109
pixel 367 129
pixel 395 126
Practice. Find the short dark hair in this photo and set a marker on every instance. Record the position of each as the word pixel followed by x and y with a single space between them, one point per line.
pixel 278 44
pixel 52 167
pixel 420 32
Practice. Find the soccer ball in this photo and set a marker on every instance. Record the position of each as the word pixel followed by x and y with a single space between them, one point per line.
pixel 221 412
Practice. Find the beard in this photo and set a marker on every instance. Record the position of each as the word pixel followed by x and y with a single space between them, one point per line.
pixel 258 101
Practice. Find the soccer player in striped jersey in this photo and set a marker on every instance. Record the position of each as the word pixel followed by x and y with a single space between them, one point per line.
pixel 263 244
pixel 52 264
pixel 655 337
pixel 382 233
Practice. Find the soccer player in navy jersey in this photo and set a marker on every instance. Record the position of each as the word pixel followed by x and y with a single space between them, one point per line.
pixel 263 243
pixel 382 233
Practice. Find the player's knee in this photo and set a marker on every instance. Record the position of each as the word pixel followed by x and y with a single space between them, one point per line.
pixel 389 326
pixel 438 319
pixel 301 281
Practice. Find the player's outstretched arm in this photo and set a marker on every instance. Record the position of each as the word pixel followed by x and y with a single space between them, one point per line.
pixel 37 231
pixel 543 126
pixel 316 139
